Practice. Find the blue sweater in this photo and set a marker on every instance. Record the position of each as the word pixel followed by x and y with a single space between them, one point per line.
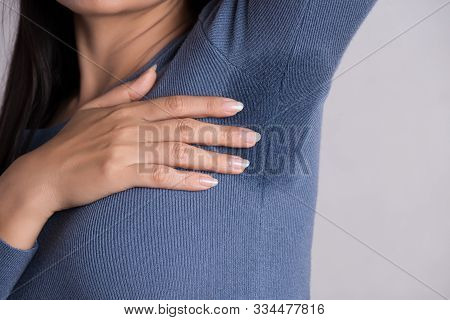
pixel 249 237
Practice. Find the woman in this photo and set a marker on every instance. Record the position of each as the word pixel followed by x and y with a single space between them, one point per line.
pixel 88 202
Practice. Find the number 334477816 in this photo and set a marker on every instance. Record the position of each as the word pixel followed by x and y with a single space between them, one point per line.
pixel 289 308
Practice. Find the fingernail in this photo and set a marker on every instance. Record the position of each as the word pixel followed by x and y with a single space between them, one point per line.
pixel 232 106
pixel 252 137
pixel 148 72
pixel 153 68
pixel 208 181
pixel 239 163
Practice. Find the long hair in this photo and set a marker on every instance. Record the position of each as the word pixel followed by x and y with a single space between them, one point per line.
pixel 43 73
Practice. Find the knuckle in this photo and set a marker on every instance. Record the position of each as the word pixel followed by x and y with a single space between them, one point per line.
pixel 131 93
pixel 159 175
pixel 184 129
pixel 121 113
pixel 175 104
pixel 115 154
pixel 180 152
pixel 108 168
pixel 124 133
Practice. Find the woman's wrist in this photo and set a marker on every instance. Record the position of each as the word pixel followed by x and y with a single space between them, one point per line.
pixel 23 211
pixel 19 227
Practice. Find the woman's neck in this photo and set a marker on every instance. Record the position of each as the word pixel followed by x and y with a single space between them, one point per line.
pixel 113 47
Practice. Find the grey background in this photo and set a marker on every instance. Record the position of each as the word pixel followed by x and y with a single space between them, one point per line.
pixel 385 161
pixel 384 174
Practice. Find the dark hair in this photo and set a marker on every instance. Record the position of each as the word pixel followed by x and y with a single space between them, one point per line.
pixel 43 73
pixel 35 86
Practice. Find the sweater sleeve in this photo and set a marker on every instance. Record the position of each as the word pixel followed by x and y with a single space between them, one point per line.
pixel 12 264
pixel 276 39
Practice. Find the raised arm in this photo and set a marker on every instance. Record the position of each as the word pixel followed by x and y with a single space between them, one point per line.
pixel 274 40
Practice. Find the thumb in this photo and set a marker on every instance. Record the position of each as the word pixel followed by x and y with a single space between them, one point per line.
pixel 126 92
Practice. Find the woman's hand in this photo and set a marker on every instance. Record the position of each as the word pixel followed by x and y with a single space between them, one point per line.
pixel 115 143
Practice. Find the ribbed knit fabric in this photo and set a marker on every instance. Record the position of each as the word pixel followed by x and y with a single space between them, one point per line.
pixel 249 237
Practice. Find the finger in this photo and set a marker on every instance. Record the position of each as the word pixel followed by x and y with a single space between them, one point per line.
pixel 162 177
pixel 188 107
pixel 197 132
pixel 180 155
pixel 126 92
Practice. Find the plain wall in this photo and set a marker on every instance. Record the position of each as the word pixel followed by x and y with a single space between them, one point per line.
pixel 385 160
